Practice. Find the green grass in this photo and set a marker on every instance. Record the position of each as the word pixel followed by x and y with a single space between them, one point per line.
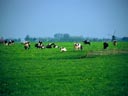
pixel 48 72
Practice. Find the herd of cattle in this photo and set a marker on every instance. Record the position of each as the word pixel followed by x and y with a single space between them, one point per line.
pixel 40 45
pixel 7 42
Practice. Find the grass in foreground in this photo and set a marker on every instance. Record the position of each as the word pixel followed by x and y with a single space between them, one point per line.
pixel 51 73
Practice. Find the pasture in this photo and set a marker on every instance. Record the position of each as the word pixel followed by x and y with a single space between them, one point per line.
pixel 49 72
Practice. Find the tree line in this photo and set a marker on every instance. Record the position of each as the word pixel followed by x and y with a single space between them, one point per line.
pixel 60 37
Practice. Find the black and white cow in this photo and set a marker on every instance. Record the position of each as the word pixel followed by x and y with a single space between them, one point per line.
pixel 52 45
pixel 78 46
pixel 49 45
pixel 26 45
pixel 39 45
pixel 105 45
pixel 87 42
pixel 5 42
pixel 55 46
pixel 10 42
pixel 63 49
pixel 114 42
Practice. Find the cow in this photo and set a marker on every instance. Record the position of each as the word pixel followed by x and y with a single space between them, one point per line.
pixel 52 45
pixel 10 42
pixel 114 42
pixel 26 45
pixel 5 42
pixel 105 45
pixel 55 46
pixel 87 42
pixel 78 46
pixel 63 49
pixel 39 45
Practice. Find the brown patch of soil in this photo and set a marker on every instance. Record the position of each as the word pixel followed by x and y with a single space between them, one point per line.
pixel 106 52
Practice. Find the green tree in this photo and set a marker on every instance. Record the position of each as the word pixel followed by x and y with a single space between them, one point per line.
pixel 27 38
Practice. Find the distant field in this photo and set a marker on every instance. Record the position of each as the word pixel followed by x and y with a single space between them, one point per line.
pixel 49 72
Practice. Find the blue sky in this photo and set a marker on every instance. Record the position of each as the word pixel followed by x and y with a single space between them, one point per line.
pixel 44 18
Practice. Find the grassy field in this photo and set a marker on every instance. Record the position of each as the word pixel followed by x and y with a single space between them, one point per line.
pixel 49 72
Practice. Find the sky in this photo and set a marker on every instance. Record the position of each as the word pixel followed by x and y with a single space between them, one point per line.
pixel 44 18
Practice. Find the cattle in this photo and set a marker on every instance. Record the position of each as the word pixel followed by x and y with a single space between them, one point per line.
pixel 26 45
pixel 105 45
pixel 52 45
pixel 114 42
pixel 63 49
pixel 87 42
pixel 78 46
pixel 55 46
pixel 39 45
pixel 10 42
pixel 5 42
pixel 49 45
